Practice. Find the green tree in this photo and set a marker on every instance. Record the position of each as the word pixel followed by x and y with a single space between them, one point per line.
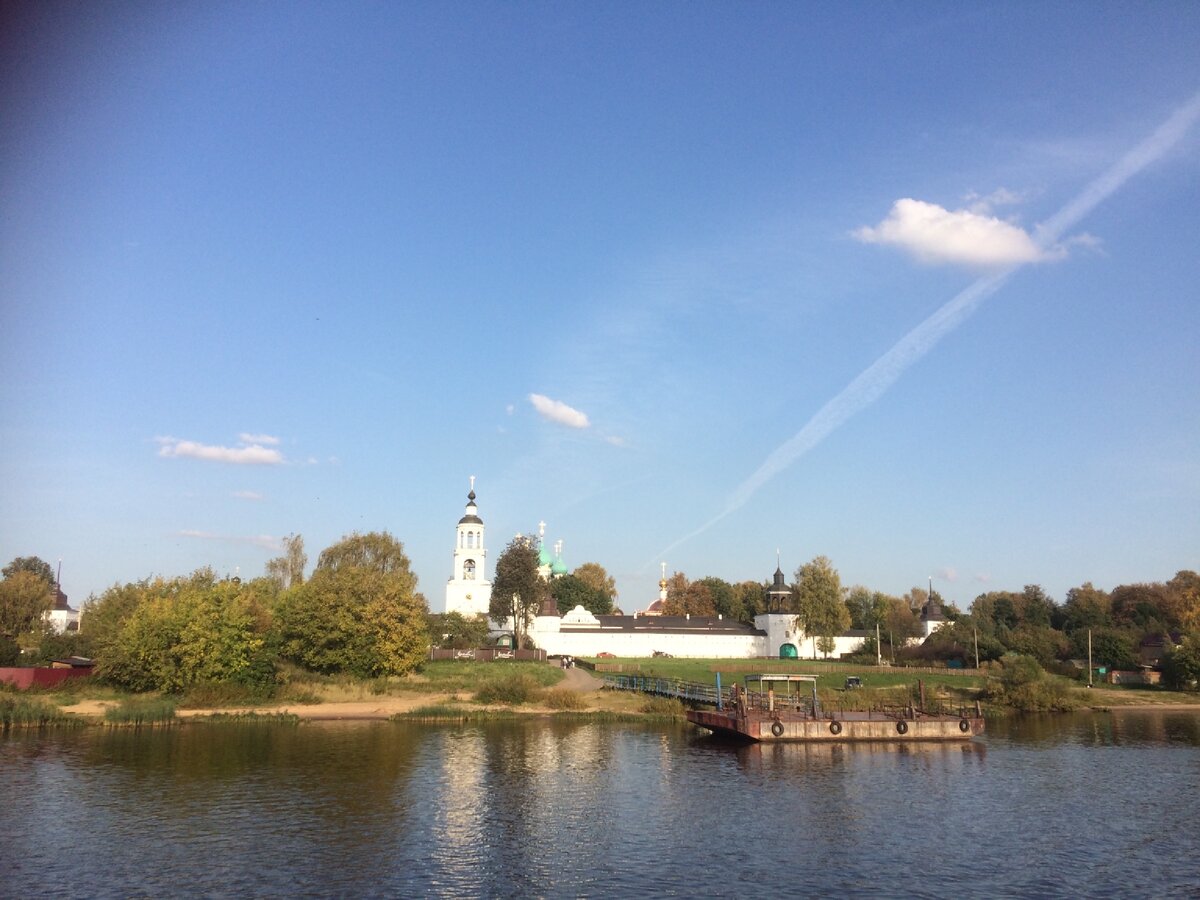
pixel 25 597
pixel 1115 648
pixel 138 656
pixel 900 623
pixel 677 585
pixel 688 598
pixel 187 631
pixel 596 577
pixel 359 613
pixel 957 640
pixel 1086 607
pixel 1148 607
pixel 751 598
pixel 103 616
pixel 288 570
pixel 1041 642
pixel 820 602
pixel 1035 607
pixel 35 565
pixel 724 600
pixel 916 599
pixel 570 591
pixel 10 651
pixel 1186 587
pixel 454 631
pixel 59 646
pixel 867 608
pixel 376 550
pixel 996 610
pixel 517 589
pixel 1181 666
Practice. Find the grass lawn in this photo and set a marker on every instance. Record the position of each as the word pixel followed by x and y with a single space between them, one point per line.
pixel 704 671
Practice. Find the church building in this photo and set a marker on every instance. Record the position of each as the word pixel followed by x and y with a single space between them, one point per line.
pixel 774 633
pixel 468 591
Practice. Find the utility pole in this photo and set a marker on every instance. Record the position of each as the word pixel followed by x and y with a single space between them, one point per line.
pixel 878 649
pixel 1089 657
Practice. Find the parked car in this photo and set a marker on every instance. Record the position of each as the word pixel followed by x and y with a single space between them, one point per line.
pixel 853 683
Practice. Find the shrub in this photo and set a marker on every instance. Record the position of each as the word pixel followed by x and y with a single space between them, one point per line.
pixel 299 694
pixel 663 708
pixel 447 712
pixel 1022 684
pixel 1019 669
pixel 10 651
pixel 206 694
pixel 254 718
pixel 59 646
pixel 513 688
pixel 1042 696
pixel 30 711
pixel 141 711
pixel 565 699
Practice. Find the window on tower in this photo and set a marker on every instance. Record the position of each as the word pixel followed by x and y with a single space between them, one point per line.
pixel 469 570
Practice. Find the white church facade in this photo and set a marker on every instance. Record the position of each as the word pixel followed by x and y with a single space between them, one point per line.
pixel 580 633
pixel 468 591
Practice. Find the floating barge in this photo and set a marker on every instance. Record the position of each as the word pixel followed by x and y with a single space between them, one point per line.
pixel 769 708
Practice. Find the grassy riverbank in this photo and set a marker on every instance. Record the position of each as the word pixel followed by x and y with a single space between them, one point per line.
pixel 461 691
pixel 884 684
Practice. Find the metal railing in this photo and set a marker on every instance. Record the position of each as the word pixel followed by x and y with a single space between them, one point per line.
pixel 663 687
pixel 796 704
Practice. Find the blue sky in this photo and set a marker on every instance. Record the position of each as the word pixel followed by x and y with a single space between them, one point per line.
pixel 276 268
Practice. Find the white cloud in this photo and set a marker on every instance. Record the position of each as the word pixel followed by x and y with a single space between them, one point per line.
pixel 616 440
pixel 248 495
pixel 265 541
pixel 983 577
pixel 557 411
pixel 268 439
pixel 948 573
pixel 1085 240
pixel 984 204
pixel 252 455
pixel 933 234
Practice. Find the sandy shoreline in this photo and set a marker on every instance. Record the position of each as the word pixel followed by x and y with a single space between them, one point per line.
pixel 374 709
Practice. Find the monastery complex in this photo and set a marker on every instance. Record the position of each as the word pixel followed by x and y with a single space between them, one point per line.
pixel 580 633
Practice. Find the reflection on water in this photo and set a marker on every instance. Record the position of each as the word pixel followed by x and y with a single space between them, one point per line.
pixel 567 809
pixel 1118 727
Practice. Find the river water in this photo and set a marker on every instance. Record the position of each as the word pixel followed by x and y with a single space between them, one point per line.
pixel 1068 806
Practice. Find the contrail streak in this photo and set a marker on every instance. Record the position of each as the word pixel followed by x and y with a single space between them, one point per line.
pixel 874 381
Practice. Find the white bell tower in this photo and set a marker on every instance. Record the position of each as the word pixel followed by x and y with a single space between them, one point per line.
pixel 468 591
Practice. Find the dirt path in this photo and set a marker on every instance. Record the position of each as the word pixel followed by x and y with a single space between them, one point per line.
pixel 581 680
